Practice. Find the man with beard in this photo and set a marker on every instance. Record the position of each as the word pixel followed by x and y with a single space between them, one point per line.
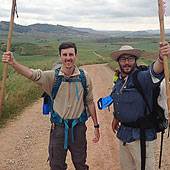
pixel 129 105
pixel 68 113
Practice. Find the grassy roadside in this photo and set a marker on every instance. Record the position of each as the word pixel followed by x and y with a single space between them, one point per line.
pixel 19 91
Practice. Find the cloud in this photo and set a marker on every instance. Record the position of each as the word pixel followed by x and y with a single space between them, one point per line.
pixel 96 13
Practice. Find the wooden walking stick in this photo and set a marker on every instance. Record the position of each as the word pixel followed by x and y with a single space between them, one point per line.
pixel 7 49
pixel 165 59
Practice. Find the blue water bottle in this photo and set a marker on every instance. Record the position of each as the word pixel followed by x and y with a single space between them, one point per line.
pixel 46 99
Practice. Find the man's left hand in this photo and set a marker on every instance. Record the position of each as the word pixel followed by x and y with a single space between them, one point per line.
pixel 96 135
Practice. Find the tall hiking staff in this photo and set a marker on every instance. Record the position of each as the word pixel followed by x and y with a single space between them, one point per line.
pixel 13 10
pixel 165 63
pixel 165 59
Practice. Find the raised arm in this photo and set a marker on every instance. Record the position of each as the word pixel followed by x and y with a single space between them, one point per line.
pixel 164 50
pixel 8 58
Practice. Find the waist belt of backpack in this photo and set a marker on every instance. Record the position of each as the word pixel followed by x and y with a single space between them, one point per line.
pixel 144 123
pixel 58 120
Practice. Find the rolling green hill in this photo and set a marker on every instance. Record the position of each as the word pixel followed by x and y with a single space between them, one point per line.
pixel 45 31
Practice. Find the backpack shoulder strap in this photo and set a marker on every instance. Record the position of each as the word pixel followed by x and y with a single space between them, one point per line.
pixel 139 88
pixel 57 83
pixel 156 92
pixel 83 81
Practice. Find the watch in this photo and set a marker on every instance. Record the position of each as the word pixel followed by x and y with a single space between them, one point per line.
pixel 96 126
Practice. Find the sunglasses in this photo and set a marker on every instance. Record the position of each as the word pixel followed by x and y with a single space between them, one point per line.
pixel 130 59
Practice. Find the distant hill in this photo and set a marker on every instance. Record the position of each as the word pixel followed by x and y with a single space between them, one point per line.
pixel 58 31
pixel 46 28
pixel 4 26
pixel 42 31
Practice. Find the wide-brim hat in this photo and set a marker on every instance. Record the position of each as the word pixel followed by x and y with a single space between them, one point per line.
pixel 126 49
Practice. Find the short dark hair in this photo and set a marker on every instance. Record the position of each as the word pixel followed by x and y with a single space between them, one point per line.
pixel 66 45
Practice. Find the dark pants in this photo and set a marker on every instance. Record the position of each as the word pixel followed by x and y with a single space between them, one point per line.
pixel 57 153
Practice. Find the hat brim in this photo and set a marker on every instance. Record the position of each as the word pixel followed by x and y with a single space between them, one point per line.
pixel 115 55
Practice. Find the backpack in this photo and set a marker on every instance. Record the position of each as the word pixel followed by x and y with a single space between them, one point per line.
pixel 47 103
pixel 156 118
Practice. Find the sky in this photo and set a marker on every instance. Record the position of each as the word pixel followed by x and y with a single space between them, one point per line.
pixel 126 15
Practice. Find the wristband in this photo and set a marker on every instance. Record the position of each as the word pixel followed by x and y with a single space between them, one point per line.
pixel 161 58
pixel 96 126
pixel 160 61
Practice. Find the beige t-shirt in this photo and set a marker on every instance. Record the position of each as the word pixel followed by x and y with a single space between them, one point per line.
pixel 66 103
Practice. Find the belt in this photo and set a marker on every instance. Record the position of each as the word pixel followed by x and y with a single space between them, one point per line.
pixel 69 123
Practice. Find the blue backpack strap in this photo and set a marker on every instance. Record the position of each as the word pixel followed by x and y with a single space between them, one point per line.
pixel 82 119
pixel 66 133
pixel 70 80
pixel 57 83
pixel 83 81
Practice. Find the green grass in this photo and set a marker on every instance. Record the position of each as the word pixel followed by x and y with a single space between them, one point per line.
pixel 21 92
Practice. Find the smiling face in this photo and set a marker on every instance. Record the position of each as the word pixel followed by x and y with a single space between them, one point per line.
pixel 127 63
pixel 68 58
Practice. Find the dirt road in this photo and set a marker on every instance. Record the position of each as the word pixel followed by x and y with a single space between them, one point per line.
pixel 24 141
